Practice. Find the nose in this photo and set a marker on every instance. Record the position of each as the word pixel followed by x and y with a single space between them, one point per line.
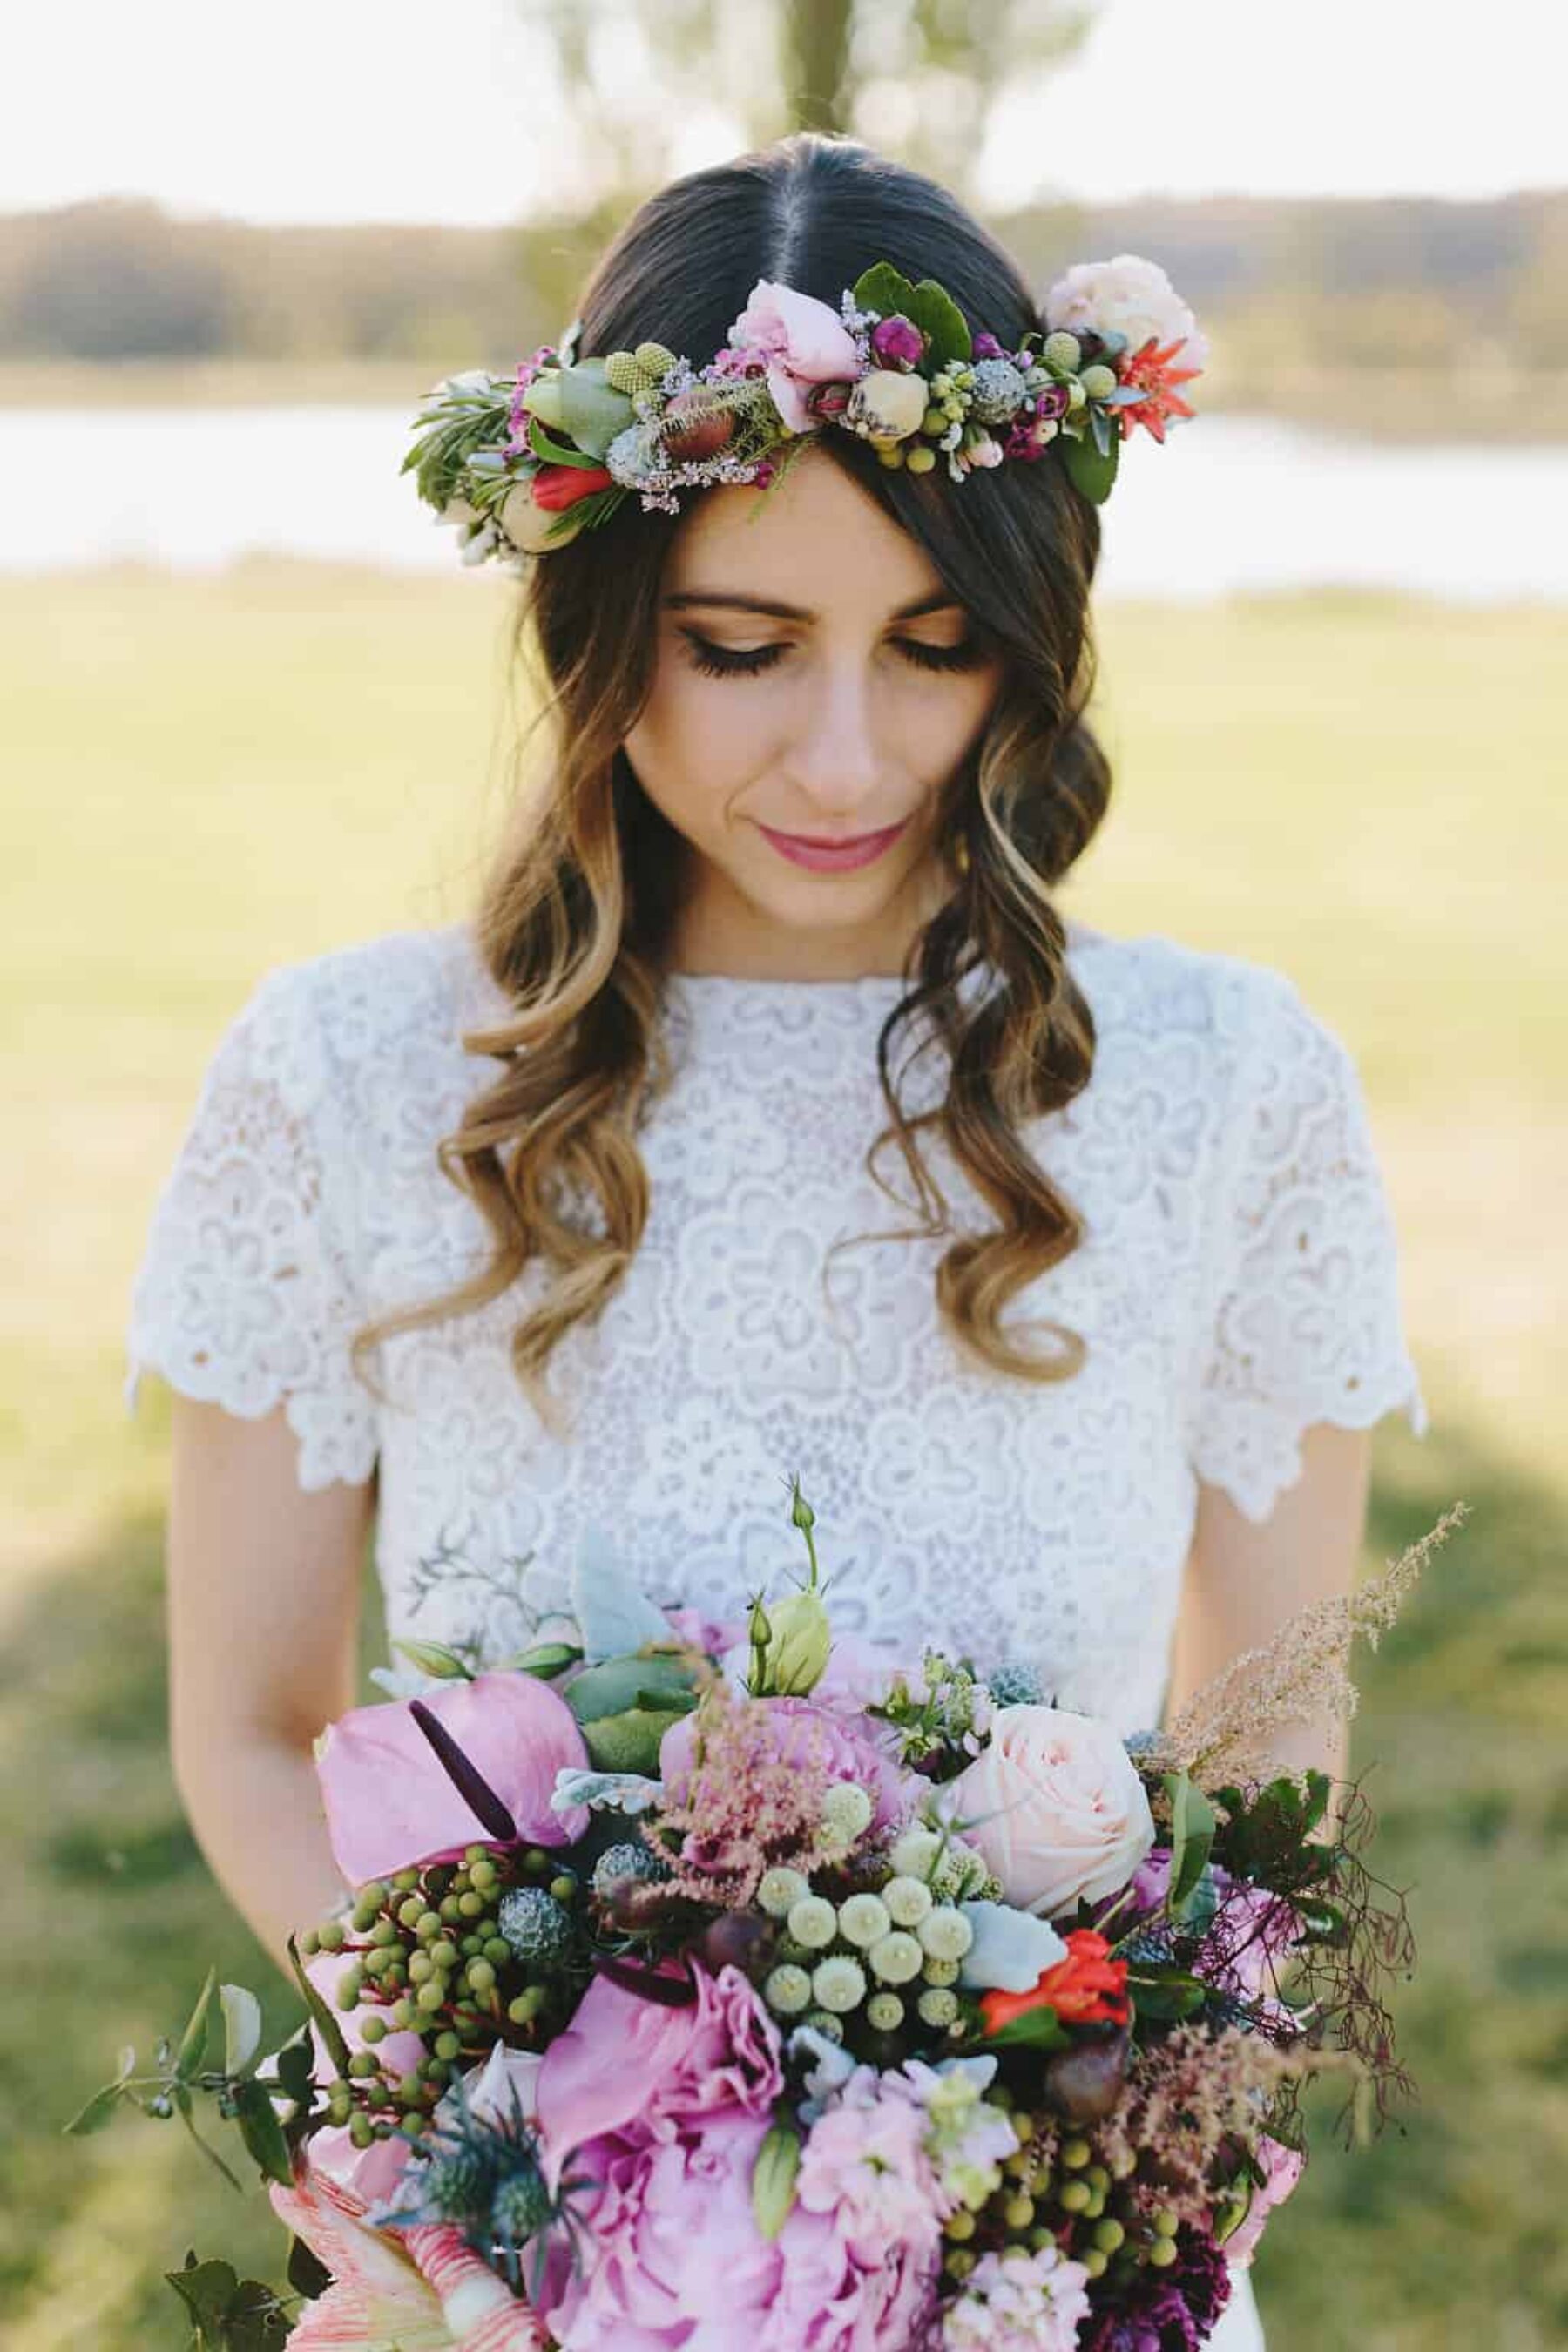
pixel 834 760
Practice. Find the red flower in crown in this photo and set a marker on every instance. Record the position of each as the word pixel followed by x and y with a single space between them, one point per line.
pixel 1087 1988
pixel 1149 368
pixel 555 487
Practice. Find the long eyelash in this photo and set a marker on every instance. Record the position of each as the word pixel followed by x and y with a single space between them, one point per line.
pixel 717 661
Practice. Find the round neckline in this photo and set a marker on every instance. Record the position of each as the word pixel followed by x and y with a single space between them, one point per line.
pixel 864 983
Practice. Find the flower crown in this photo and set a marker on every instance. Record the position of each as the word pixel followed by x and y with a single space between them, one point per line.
pixel 522 465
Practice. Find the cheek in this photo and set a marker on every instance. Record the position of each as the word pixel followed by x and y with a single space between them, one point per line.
pixel 696 739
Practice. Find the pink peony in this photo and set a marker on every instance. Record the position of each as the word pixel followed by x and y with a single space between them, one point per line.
pixel 1284 2167
pixel 674 2260
pixel 803 341
pixel 389 1802
pixel 626 2063
pixel 1064 1813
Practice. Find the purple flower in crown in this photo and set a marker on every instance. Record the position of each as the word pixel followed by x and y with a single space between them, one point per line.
pixel 897 342
pixel 986 347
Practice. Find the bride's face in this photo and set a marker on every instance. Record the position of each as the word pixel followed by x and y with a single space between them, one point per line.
pixel 813 678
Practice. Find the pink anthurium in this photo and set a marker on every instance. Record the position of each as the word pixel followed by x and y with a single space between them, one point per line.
pixel 417 2290
pixel 390 1801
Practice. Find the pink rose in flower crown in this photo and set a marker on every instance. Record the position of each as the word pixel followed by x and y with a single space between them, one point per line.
pixel 803 341
pixel 1064 1815
pixel 1127 296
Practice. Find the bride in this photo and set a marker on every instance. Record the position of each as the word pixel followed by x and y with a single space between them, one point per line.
pixel 567 1212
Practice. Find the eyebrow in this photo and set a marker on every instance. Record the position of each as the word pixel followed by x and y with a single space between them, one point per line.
pixel 939 600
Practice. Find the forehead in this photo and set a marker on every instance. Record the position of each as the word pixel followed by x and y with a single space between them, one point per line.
pixel 816 540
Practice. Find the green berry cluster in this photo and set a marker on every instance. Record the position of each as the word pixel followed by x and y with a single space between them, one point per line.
pixel 428 1951
pixel 891 1955
pixel 1054 2192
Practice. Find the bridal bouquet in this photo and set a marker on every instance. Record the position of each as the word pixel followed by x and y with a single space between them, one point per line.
pixel 717 1985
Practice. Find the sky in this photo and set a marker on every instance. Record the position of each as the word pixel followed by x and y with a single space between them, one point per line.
pixel 430 110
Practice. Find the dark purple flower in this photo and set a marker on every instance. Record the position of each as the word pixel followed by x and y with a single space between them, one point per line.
pixel 897 342
pixel 986 347
pixel 1171 2310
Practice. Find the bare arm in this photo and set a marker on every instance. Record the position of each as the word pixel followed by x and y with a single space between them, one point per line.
pixel 1243 1580
pixel 263 1623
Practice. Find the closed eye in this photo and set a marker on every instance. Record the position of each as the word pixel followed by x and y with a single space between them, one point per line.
pixel 728 661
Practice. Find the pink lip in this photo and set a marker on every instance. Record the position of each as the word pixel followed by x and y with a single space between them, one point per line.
pixel 833 857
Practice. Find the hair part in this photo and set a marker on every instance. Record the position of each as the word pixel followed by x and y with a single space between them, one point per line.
pixel 577 913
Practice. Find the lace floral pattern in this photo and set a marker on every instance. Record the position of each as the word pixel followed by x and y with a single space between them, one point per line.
pixel 1238 1281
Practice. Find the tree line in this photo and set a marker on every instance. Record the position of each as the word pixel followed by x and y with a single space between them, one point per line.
pixel 1336 283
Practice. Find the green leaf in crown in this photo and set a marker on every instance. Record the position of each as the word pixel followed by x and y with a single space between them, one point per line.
pixel 1092 470
pixel 886 290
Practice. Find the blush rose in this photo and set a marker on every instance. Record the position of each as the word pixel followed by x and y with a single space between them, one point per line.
pixel 1063 1813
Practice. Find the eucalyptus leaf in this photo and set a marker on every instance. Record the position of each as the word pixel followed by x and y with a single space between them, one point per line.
pixel 1192 1826
pixel 193 2041
pixel 242 2028
pixel 263 2134
pixel 556 453
pixel 95 2114
pixel 331 2031
pixel 592 411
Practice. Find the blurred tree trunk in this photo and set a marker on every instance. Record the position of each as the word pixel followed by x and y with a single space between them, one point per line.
pixel 816 35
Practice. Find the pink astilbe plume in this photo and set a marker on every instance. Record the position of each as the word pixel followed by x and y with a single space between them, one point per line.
pixel 1224 1732
pixel 1186 2095
pixel 734 1815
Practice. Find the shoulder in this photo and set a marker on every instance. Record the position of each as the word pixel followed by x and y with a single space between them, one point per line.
pixel 1160 989
pixel 362 1007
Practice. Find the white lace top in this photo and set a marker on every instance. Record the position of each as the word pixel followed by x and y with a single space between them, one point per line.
pixel 1238 1281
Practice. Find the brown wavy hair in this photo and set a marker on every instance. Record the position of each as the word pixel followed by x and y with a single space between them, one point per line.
pixel 576 914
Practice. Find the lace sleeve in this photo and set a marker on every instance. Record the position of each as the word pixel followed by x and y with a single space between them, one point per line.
pixel 1301 1318
pixel 245 1294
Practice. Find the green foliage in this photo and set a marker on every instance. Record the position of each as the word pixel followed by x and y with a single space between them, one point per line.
pixel 1266 1836
pixel 929 305
pixel 773 2178
pixel 1035 2028
pixel 1192 1826
pixel 1091 463
pixel 229 2313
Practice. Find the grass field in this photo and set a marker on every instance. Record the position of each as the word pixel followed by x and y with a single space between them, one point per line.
pixel 208 776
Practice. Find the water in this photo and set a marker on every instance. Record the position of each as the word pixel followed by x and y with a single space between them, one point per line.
pixel 1230 503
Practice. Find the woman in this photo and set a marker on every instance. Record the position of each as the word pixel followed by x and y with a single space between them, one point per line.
pixel 569 1180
